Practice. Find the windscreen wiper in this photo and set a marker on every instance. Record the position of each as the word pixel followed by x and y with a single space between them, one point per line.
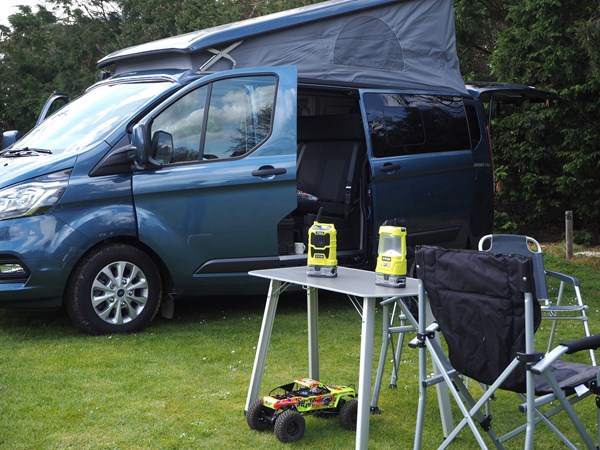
pixel 26 151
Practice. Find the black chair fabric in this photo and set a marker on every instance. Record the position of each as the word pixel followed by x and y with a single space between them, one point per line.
pixel 481 302
pixel 477 299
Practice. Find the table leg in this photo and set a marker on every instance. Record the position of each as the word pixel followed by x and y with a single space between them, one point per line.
pixel 365 373
pixel 312 300
pixel 382 355
pixel 263 342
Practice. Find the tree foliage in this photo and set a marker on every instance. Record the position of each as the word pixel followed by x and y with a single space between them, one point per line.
pixel 155 19
pixel 546 156
pixel 478 24
pixel 42 53
pixel 551 154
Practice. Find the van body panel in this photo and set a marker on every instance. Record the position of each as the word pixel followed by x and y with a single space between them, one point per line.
pixel 45 246
pixel 412 177
pixel 433 194
pixel 179 175
pixel 482 212
pixel 100 210
pixel 221 208
pixel 14 170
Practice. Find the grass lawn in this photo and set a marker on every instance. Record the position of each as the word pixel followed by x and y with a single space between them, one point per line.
pixel 183 383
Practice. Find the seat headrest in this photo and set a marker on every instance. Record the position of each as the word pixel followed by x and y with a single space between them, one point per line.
pixel 342 127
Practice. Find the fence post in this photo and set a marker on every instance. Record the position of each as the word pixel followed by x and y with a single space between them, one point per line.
pixel 569 233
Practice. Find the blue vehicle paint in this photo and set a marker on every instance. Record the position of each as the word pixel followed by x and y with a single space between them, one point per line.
pixel 163 181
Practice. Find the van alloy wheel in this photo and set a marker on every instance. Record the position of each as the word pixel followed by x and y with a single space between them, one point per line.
pixel 116 288
pixel 120 292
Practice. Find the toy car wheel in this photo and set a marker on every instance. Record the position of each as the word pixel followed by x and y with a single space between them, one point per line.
pixel 290 426
pixel 258 416
pixel 348 413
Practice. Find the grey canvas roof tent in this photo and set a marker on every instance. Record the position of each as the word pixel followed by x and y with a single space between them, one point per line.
pixel 408 44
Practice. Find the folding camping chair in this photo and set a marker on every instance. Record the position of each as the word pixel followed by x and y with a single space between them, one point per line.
pixel 525 245
pixel 486 310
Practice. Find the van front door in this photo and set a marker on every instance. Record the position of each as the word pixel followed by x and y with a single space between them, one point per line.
pixel 421 164
pixel 228 148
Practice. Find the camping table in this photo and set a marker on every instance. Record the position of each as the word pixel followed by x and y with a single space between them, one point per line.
pixel 352 282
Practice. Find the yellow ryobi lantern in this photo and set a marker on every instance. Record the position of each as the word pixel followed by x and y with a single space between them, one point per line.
pixel 391 259
pixel 322 250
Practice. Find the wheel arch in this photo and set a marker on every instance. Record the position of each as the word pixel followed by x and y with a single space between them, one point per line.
pixel 165 274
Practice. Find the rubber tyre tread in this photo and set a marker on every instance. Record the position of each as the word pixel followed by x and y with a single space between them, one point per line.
pixel 256 416
pixel 290 426
pixel 77 295
pixel 349 414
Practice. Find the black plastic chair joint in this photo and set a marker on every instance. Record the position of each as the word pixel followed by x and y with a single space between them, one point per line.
pixel 530 358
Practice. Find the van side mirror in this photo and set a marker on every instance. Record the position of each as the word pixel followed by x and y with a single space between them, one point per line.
pixel 138 142
pixel 146 148
pixel 162 147
pixel 9 138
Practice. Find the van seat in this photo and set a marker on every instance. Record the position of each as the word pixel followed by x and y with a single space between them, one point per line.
pixel 330 148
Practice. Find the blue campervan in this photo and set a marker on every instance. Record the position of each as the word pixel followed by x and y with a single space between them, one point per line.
pixel 207 155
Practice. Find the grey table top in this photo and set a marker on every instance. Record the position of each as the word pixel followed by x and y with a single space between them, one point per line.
pixel 360 283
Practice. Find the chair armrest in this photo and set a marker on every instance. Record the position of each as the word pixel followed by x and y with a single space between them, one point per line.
pixel 563 277
pixel 587 343
pixel 549 359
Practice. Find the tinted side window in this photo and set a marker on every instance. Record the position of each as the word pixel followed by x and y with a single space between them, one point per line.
pixel 225 119
pixel 406 124
pixel 474 130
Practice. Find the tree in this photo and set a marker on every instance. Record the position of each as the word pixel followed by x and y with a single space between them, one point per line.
pixel 551 156
pixel 478 24
pixel 546 155
pixel 147 20
pixel 42 53
pixel 57 49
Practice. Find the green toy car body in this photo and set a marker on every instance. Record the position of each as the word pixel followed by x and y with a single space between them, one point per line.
pixel 284 407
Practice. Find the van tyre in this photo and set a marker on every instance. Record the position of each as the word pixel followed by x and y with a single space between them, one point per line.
pixel 290 426
pixel 114 289
pixel 348 414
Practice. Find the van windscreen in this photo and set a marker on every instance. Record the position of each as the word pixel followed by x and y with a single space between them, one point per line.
pixel 93 116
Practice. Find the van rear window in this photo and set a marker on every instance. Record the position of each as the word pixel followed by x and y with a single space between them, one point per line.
pixel 401 124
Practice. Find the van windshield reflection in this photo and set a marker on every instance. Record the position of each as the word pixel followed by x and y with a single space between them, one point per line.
pixel 92 117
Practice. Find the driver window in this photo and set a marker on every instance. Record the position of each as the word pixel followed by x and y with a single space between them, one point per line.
pixel 239 116
pixel 240 112
pixel 183 122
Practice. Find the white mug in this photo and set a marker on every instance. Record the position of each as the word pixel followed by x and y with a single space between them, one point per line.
pixel 299 248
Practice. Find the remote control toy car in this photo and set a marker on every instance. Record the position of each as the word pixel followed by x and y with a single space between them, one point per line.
pixel 283 409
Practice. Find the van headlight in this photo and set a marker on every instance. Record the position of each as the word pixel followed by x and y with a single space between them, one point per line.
pixel 33 197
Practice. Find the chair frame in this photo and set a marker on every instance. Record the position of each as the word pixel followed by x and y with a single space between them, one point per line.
pixel 536 364
pixel 526 245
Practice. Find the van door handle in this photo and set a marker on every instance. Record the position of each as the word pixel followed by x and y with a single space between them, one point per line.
pixel 389 167
pixel 266 171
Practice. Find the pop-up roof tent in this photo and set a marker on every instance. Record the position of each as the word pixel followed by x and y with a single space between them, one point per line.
pixel 399 43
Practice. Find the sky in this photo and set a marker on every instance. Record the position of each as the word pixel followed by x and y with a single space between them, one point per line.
pixel 8 7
